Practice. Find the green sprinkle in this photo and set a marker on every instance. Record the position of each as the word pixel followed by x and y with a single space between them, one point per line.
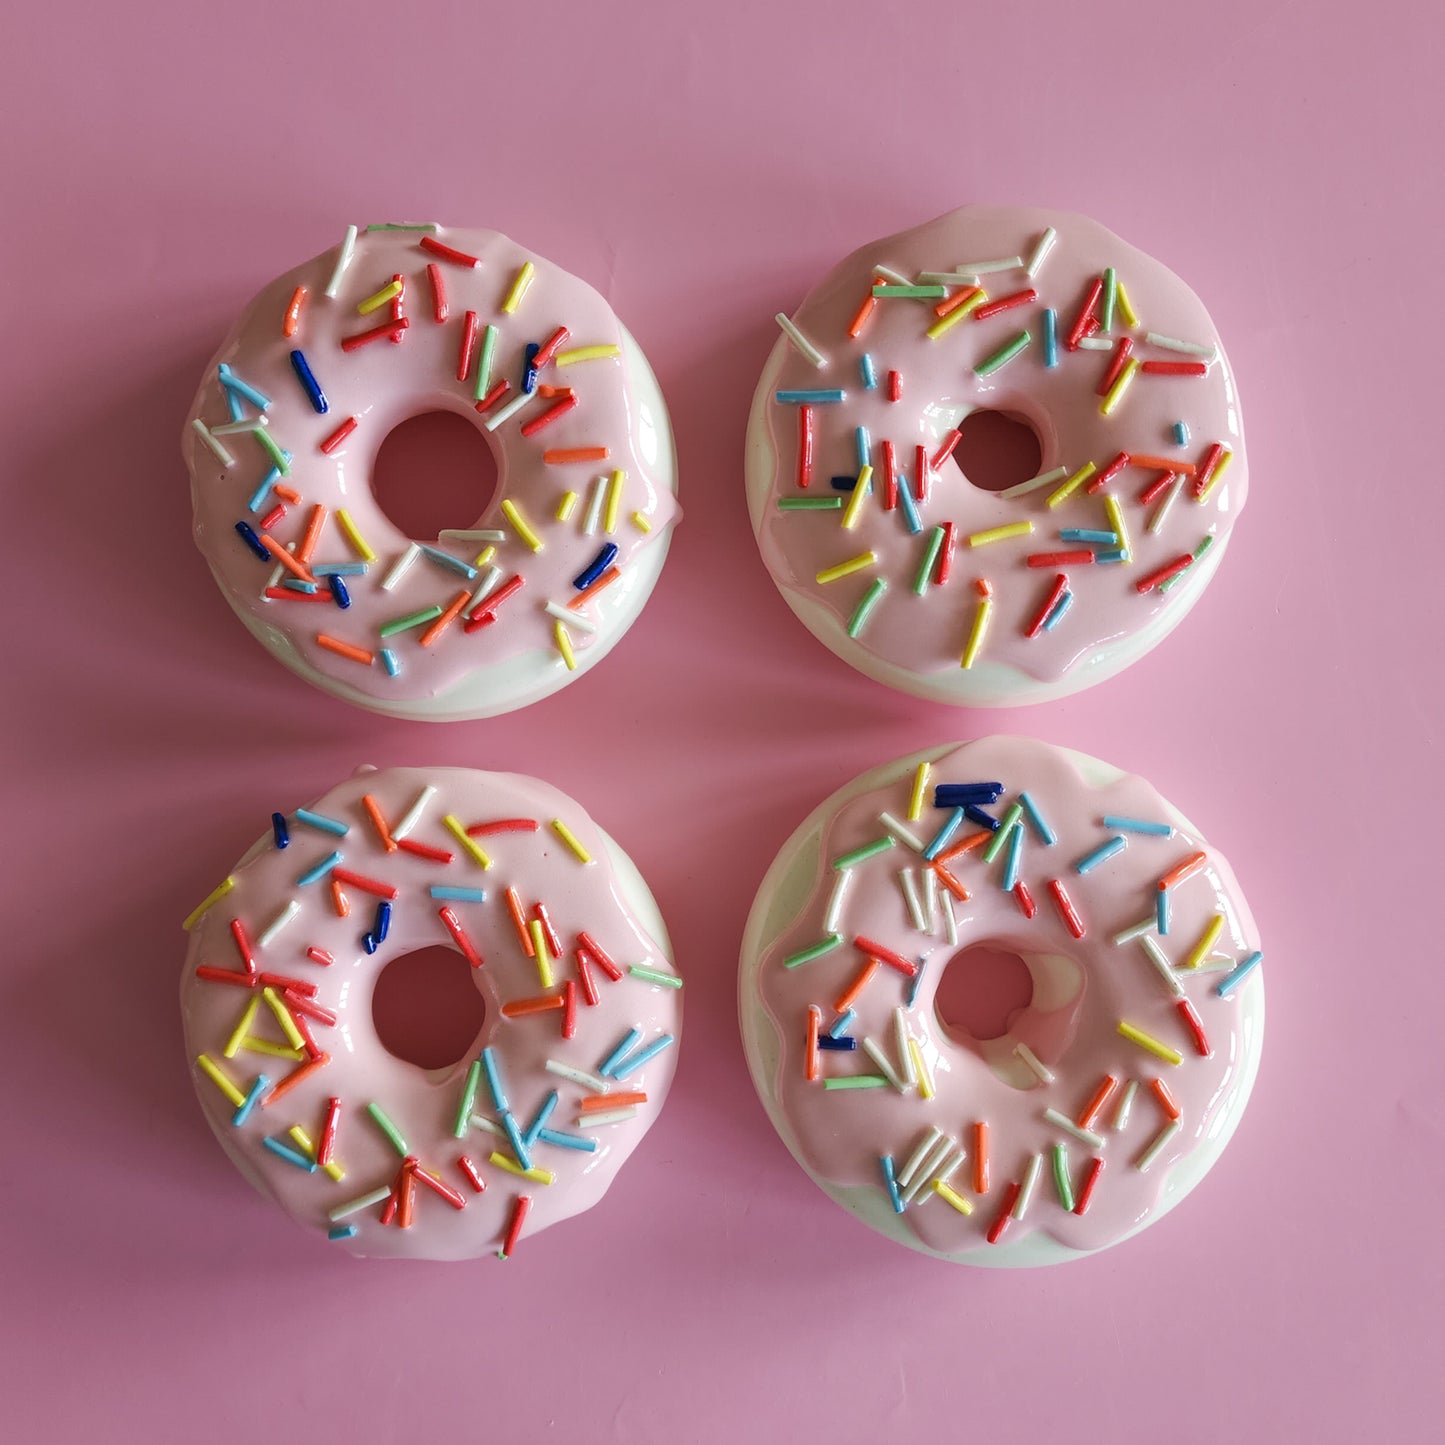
pixel 912 293
pixel 263 435
pixel 810 504
pixel 1061 1177
pixel 654 975
pixel 1111 295
pixel 1199 551
pixel 400 226
pixel 1000 837
pixel 863 854
pixel 484 364
pixel 857 1081
pixel 412 619
pixel 1003 355
pixel 864 610
pixel 469 1097
pixel 815 950
pixel 930 556
pixel 393 1134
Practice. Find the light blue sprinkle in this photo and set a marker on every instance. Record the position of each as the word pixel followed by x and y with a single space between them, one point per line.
pixel 258 498
pixel 886 1160
pixel 319 820
pixel 940 840
pixel 1237 975
pixel 518 1143
pixel 341 1231
pixel 1060 607
pixel 861 445
pixel 455 564
pixel 290 1155
pixel 567 1141
pixel 539 1119
pixel 249 1102
pixel 390 662
pixel 913 984
pixel 1015 854
pixel 339 569
pixel 1138 825
pixel 458 894
pixel 1073 534
pixel 1047 836
pixel 910 507
pixel 233 402
pixel 619 1053
pixel 494 1079
pixel 1161 911
pixel 808 398
pixel 1114 554
pixel 1051 337
pixel 865 369
pixel 319 871
pixel 295 584
pixel 841 1027
pixel 643 1056
pixel 1090 861
pixel 1181 434
pixel 233 383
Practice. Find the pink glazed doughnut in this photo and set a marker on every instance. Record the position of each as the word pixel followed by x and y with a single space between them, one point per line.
pixel 567 949
pixel 285 428
pixel 1111 1092
pixel 933 585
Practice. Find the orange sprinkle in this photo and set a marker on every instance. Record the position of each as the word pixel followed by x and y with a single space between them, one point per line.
pixel 844 1001
pixel 313 533
pixel 284 1086
pixel 286 493
pixel 294 567
pixel 983 587
pixel 1166 1099
pixel 1164 464
pixel 815 1022
pixel 856 325
pixel 344 649
pixel 293 312
pixel 605 580
pixel 556 456
pixel 338 900
pixel 952 303
pixel 378 821
pixel 519 920
pixel 521 1007
pixel 408 1194
pixel 445 620
pixel 974 840
pixel 1187 869
pixel 980 1158
pixel 949 881
pixel 1100 1097
pixel 610 1101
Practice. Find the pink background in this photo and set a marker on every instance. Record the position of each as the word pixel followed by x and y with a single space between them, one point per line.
pixel 161 162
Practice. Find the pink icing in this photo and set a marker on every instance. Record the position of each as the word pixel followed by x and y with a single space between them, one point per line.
pixel 423 1103
pixel 381 384
pixel 1073 1031
pixel 927 634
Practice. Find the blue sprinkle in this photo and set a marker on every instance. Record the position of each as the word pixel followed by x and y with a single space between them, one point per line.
pixel 382 926
pixel 940 841
pixel 494 1079
pixel 865 370
pixel 844 484
pixel 233 383
pixel 286 1152
pixel 1051 337
pixel 1181 434
pixel 309 384
pixel 861 443
pixel 339 569
pixel 1060 607
pixel 1013 857
pixel 369 942
pixel 914 982
pixel 975 814
pixel 841 1027
pixel 1104 851
pixel 910 509
pixel 529 372
pixel 959 795
pixel 295 584
pixel 319 871
pixel 319 820
pixel 1161 911
pixel 390 662
pixel 278 828
pixel 341 1231
pixel 250 1101
pixel 1238 974
pixel 233 403
pixel 643 1056
pixel 619 1053
pixel 1114 554
pixel 1138 825
pixel 457 894
pixel 514 1135
pixel 828 1041
pixel 808 398
pixel 596 567
pixel 338 591
pixel 886 1160
pixel 539 1119
pixel 1088 534
pixel 567 1141
pixel 259 496
pixel 446 559
pixel 247 534
pixel 1047 836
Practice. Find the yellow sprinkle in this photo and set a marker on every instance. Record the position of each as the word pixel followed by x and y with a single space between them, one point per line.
pixel 955 316
pixel 212 1071
pixel 1207 939
pixel 453 825
pixel 571 840
pixel 861 488
pixel 639 520
pixel 1117 522
pixel 248 1017
pixel 303 1143
pixel 380 298
pixel 359 543
pixel 541 1176
pixel 1121 300
pixel 484 557
pixel 953 1197
pixel 1000 534
pixel 563 639
pixel 844 569
pixel 1073 484
pixel 213 897
pixel 1138 1036
pixel 265 1046
pixel 614 501
pixel 519 288
pixel 586 353
pixel 1219 471
pixel 920 788
pixel 564 507
pixel 521 526
pixel 539 950
pixel 283 1017
pixel 920 1065
pixel 1116 392
pixel 976 633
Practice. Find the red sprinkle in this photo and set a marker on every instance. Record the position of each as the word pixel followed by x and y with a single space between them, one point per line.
pixel 243 945
pixel 1000 1223
pixel 272 517
pixel 1025 898
pixel 398 310
pixel 387 328
pixel 1005 303
pixel 303 1005
pixel 1066 908
pixel 425 850
pixel 1122 353
pixel 921 467
pixel 514 1229
pixel 327 1142
pixel 885 955
pixel 367 885
pixel 469 346
pixel 805 445
pixel 553 413
pixel 1195 1025
pixel 470 1170
pixel 320 955
pixel 447 253
pixel 890 477
pixel 1081 327
pixel 486 610
pixel 227 975
pixel 1102 479
pixel 569 1009
pixel 289 594
pixel 946 449
pixel 1061 585
pixel 454 927
pixel 595 951
pixel 1060 559
pixel 945 553
pixel 1156 488
pixel 1175 368
pixel 494 395
pixel 339 435
pixel 554 944
pixel 895 386
pixel 550 347
pixel 589 984
pixel 438 291
pixel 1086 1189
pixel 446 1191
pixel 1207 468
pixel 503 825
pixel 1170 569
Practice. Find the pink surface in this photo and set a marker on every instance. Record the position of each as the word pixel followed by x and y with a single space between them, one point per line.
pixel 162 164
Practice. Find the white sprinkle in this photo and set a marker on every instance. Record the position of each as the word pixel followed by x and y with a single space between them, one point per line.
pixel 235 428
pixel 222 455
pixel 805 348
pixel 399 569
pixel 1165 502
pixel 1155 1145
pixel 569 619
pixel 1026 1189
pixel 490 578
pixel 1045 479
pixel 951 1161
pixel 511 409
pixel 594 507
pixel 987 268
pixel 348 246
pixel 902 832
pixel 609 1116
pixel 885 1064
pixel 923 1149
pixel 894 278
pixel 930 898
pixel 1084 1136
pixel 490 1126
pixel 950 923
pixel 1216 963
pixel 941 1152
pixel 1189 348
pixel 835 902
pixel 278 923
pixel 365 1201
pixel 566 1071
pixel 454 534
pixel 1094 343
pixel 1042 247
pixel 905 1054
pixel 1137 930
pixel 1045 1075
pixel 910 893
pixel 1126 1100
pixel 413 814
pixel 1157 957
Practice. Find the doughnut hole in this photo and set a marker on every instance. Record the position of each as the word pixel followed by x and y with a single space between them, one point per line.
pixel 982 991
pixel 432 472
pixel 427 1009
pixel 997 449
